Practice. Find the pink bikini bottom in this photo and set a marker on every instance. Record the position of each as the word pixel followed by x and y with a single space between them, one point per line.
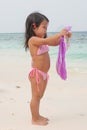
pixel 37 72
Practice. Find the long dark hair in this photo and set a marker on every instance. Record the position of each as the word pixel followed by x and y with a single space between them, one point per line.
pixel 36 18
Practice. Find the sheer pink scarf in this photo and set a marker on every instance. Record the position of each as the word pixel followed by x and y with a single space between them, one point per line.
pixel 61 64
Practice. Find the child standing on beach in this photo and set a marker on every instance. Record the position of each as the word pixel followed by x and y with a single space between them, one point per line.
pixel 37 41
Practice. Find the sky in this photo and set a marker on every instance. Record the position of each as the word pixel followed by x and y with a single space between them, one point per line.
pixel 60 13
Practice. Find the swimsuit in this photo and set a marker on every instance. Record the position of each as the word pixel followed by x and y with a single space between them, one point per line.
pixel 37 72
pixel 42 49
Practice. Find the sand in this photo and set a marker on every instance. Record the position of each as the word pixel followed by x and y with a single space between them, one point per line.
pixel 64 102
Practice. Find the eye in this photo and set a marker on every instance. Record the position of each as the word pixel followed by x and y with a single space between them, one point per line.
pixel 45 27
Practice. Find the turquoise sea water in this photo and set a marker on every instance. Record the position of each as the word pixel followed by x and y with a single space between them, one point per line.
pixel 12 44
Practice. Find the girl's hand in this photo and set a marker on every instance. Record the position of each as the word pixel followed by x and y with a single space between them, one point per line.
pixel 64 32
pixel 69 34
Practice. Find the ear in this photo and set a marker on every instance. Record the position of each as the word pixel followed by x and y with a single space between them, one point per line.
pixel 34 25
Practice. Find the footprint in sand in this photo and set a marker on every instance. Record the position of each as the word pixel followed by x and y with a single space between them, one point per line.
pixel 18 86
pixel 1 102
pixel 81 114
pixel 12 114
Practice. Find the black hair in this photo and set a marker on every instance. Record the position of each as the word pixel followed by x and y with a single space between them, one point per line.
pixel 36 18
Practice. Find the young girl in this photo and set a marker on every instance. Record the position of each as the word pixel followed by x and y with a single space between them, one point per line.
pixel 37 41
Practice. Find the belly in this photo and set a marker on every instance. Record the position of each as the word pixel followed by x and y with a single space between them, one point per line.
pixel 42 62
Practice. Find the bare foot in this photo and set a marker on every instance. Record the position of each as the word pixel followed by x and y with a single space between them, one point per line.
pixel 43 118
pixel 39 122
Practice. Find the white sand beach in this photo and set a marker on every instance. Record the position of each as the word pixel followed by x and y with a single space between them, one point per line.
pixel 64 102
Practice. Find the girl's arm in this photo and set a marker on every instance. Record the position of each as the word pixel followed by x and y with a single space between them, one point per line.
pixel 51 41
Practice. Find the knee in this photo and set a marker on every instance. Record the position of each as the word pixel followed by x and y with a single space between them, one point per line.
pixel 38 96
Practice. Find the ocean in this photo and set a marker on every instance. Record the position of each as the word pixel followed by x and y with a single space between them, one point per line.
pixel 12 46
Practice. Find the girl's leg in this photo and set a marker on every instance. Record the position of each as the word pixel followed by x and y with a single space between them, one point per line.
pixel 35 101
pixel 42 90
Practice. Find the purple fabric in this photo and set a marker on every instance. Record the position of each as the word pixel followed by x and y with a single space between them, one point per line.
pixel 60 64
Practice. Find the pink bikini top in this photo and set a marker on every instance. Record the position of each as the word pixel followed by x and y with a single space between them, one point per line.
pixel 42 49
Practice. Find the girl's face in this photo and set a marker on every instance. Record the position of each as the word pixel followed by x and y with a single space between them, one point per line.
pixel 42 29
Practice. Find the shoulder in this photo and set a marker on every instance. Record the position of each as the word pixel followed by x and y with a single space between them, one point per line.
pixel 32 47
pixel 36 41
pixel 32 40
pixel 35 38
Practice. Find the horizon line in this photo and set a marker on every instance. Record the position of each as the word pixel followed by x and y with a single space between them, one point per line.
pixel 47 32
